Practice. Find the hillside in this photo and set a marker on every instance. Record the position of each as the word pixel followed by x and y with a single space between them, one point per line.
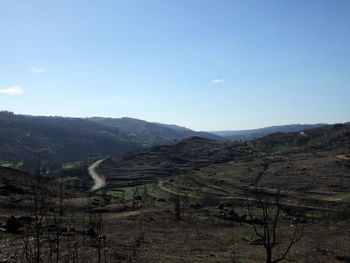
pixel 13 182
pixel 246 135
pixel 305 165
pixel 147 133
pixel 188 201
pixel 172 159
pixel 57 138
pixel 17 188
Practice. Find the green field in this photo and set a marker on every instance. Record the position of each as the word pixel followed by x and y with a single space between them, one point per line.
pixel 14 165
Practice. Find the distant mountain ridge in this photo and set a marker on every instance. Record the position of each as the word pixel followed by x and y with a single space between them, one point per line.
pixel 246 135
pixel 22 137
pixel 173 126
pixel 69 139
pixel 151 133
pixel 63 139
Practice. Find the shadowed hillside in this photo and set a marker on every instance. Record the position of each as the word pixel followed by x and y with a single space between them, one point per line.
pixel 147 133
pixel 305 165
pixel 172 159
pixel 58 138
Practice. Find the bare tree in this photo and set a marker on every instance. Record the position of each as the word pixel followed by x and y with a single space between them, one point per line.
pixel 135 191
pixel 175 199
pixel 39 206
pixel 266 227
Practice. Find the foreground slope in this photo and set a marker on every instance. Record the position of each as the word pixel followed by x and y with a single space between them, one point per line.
pixel 192 206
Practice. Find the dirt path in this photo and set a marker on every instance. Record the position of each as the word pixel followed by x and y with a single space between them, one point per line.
pixel 244 199
pixel 344 157
pixel 303 134
pixel 99 180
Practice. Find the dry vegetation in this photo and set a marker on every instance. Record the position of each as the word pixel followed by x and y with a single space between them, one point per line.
pixel 188 202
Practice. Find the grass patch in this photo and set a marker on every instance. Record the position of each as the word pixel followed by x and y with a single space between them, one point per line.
pixel 15 165
pixel 127 193
pixel 70 165
pixel 7 165
pixel 166 187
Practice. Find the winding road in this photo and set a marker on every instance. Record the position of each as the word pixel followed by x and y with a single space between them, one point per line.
pixel 99 180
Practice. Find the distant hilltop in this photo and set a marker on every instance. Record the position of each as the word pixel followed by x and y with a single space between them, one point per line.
pixel 69 139
pixel 246 135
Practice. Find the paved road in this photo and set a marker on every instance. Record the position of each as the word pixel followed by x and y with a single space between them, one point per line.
pixel 99 180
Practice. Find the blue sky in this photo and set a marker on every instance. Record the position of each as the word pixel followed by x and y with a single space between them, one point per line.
pixel 203 64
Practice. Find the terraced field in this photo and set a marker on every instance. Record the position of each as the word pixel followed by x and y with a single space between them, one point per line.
pixel 304 169
pixel 187 201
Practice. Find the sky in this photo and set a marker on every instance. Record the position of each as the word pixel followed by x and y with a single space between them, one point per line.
pixel 203 64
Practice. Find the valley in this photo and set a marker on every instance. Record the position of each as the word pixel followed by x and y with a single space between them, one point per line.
pixel 175 131
pixel 297 168
pixel 191 200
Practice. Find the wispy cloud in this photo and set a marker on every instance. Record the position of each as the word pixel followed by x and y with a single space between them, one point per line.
pixel 13 90
pixel 215 81
pixel 36 70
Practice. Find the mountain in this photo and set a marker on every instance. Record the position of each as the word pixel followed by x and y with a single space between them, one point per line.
pixel 147 133
pixel 172 126
pixel 59 139
pixel 245 135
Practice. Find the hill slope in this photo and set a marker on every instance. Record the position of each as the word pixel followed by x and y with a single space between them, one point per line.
pixel 171 159
pixel 58 138
pixel 304 165
pixel 245 135
pixel 148 133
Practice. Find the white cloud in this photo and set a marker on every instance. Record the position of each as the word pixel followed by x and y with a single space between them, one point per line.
pixel 36 70
pixel 215 81
pixel 13 90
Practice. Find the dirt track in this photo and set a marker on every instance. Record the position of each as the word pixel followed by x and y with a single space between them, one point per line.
pixel 99 181
pixel 343 157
